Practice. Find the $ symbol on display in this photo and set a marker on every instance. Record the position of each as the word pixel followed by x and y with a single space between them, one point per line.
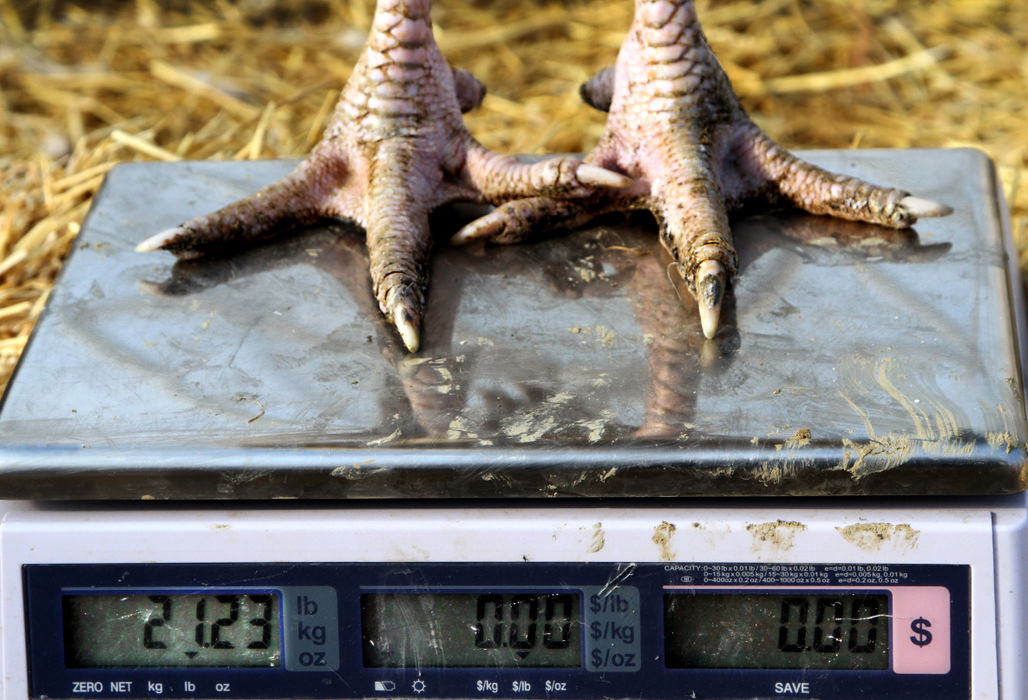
pixel 922 637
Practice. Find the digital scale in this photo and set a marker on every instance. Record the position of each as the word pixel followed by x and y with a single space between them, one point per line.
pixel 227 479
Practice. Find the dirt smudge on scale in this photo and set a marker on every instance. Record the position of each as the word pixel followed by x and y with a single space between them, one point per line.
pixel 799 439
pixel 662 535
pixel 778 535
pixel 872 537
pixel 598 538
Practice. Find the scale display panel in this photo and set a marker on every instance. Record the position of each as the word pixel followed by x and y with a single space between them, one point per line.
pixel 683 600
pixel 515 630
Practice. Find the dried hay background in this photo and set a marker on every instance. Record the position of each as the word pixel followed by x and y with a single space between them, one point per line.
pixel 87 84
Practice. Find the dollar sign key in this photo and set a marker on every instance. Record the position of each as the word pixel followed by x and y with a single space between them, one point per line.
pixel 921 637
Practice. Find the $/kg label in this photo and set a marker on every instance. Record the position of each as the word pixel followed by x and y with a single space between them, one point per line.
pixel 612 629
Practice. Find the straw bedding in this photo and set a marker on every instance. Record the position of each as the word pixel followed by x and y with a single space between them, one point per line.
pixel 85 85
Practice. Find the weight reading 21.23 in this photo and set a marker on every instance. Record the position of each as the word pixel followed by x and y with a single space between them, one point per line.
pixel 172 630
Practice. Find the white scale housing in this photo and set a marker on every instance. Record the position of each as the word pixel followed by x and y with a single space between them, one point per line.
pixel 545 486
pixel 991 538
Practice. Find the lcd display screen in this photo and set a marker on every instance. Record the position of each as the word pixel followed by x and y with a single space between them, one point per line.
pixel 449 630
pixel 776 631
pixel 167 629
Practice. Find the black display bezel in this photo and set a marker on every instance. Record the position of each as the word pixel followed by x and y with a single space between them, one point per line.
pixel 649 678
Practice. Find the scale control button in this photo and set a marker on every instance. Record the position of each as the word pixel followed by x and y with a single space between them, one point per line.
pixel 921 630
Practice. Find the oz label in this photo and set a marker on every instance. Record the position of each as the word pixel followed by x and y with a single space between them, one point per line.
pixel 312 628
pixel 612 628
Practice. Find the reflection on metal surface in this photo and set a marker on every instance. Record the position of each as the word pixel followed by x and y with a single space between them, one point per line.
pixel 850 359
pixel 620 259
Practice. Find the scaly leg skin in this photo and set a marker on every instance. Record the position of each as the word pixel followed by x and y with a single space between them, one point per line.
pixel 676 127
pixel 396 149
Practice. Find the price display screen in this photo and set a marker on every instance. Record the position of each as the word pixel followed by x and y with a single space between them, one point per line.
pixel 165 629
pixel 777 631
pixel 449 630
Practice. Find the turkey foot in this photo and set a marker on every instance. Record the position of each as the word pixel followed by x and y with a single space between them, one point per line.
pixel 676 127
pixel 396 149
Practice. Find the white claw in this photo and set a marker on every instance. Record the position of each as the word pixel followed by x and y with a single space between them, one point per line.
pixel 479 228
pixel 924 207
pixel 408 333
pixel 159 241
pixel 708 320
pixel 710 291
pixel 595 175
pixel 464 236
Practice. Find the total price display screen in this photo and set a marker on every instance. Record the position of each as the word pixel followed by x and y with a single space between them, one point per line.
pixel 777 630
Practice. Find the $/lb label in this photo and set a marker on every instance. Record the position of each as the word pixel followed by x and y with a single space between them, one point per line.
pixel 612 632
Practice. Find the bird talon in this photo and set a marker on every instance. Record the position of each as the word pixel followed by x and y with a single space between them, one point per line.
pixel 710 291
pixel 405 326
pixel 158 241
pixel 918 207
pixel 476 230
pixel 601 177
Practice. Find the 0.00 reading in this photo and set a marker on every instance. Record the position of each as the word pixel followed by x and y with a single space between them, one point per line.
pixel 514 621
pixel 777 631
pixel 218 629
pixel 852 619
pixel 528 629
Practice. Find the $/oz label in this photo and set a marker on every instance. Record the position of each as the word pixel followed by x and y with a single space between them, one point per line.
pixel 612 630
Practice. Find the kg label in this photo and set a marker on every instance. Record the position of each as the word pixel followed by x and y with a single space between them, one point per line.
pixel 612 625
pixel 311 628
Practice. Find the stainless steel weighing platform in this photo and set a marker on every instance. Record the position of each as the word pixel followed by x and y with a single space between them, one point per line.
pixel 851 360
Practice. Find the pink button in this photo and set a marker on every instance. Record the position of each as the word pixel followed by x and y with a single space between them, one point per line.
pixel 920 629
